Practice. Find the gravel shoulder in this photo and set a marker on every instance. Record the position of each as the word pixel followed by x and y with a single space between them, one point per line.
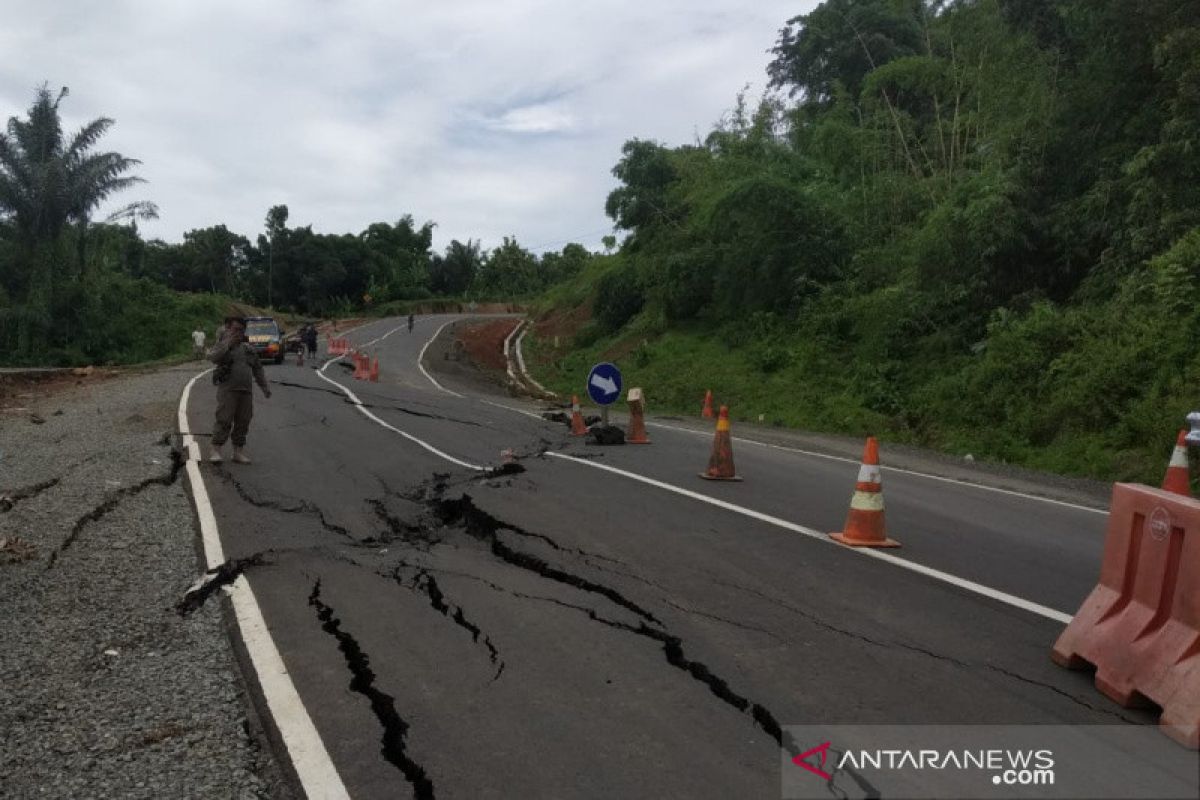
pixel 105 691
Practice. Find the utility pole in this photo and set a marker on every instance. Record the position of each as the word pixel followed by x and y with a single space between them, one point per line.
pixel 270 268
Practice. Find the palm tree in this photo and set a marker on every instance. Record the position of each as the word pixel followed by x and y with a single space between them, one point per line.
pixel 48 182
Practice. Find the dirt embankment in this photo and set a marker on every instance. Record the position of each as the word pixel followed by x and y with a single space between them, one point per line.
pixel 484 344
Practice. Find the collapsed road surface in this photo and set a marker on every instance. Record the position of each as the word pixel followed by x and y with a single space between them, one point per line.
pixel 597 621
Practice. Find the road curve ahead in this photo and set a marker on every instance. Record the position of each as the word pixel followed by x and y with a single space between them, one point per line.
pixel 599 621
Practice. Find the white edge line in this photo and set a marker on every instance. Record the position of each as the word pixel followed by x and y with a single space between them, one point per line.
pixel 421 359
pixel 962 583
pixel 358 405
pixel 317 774
pixel 955 481
pixel 514 410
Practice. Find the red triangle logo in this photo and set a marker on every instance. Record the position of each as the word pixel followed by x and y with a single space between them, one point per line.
pixel 821 750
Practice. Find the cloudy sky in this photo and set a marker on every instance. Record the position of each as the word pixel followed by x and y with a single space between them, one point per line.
pixel 488 117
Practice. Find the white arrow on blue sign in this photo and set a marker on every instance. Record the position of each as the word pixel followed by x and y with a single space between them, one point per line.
pixel 604 384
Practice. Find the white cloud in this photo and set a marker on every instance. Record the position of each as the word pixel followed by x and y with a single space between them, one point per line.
pixel 488 118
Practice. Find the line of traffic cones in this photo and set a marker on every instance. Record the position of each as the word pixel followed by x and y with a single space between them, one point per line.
pixel 339 347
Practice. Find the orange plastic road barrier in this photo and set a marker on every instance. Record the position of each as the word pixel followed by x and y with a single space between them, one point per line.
pixel 338 347
pixel 375 370
pixel 578 426
pixel 720 463
pixel 865 526
pixel 1140 626
pixel 1176 479
pixel 637 419
pixel 707 411
pixel 360 367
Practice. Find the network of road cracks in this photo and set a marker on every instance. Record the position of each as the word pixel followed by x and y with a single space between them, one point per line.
pixel 439 511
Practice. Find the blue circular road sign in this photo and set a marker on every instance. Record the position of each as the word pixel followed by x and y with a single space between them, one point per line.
pixel 604 384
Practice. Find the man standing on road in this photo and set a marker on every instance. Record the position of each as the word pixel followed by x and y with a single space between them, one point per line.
pixel 237 367
pixel 198 343
pixel 310 341
pixel 410 323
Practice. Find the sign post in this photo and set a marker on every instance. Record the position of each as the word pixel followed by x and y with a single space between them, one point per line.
pixel 604 387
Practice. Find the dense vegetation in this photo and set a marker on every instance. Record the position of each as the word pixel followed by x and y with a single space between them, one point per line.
pixel 972 224
pixel 74 290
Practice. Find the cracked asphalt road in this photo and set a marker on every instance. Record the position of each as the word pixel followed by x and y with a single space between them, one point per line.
pixel 560 631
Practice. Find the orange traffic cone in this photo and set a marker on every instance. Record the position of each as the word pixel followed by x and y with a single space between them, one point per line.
pixel 637 419
pixel 1176 479
pixel 864 524
pixel 707 411
pixel 578 426
pixel 375 370
pixel 720 464
pixel 360 371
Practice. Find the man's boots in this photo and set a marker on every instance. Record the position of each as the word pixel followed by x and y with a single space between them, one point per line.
pixel 215 456
pixel 239 457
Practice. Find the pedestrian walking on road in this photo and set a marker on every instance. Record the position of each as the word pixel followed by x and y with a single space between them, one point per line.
pixel 238 368
pixel 410 323
pixel 198 343
pixel 310 341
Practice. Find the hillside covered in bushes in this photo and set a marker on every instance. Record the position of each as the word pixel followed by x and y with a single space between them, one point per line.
pixel 973 225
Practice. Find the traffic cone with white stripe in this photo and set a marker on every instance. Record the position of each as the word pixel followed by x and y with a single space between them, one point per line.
pixel 578 426
pixel 1176 479
pixel 720 463
pixel 707 411
pixel 637 419
pixel 864 524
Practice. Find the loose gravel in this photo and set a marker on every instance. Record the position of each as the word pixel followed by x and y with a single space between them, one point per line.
pixel 104 690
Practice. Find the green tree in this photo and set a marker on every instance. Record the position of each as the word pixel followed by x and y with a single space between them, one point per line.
pixel 454 272
pixel 48 181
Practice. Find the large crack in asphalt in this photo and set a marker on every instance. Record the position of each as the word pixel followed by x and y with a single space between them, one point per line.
pixel 401 409
pixel 395 729
pixel 419 536
pixel 481 525
pixel 214 579
pixel 114 499
pixel 424 582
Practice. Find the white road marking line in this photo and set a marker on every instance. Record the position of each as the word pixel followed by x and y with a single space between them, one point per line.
pixel 318 776
pixel 358 405
pixel 421 359
pixel 514 410
pixel 962 583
